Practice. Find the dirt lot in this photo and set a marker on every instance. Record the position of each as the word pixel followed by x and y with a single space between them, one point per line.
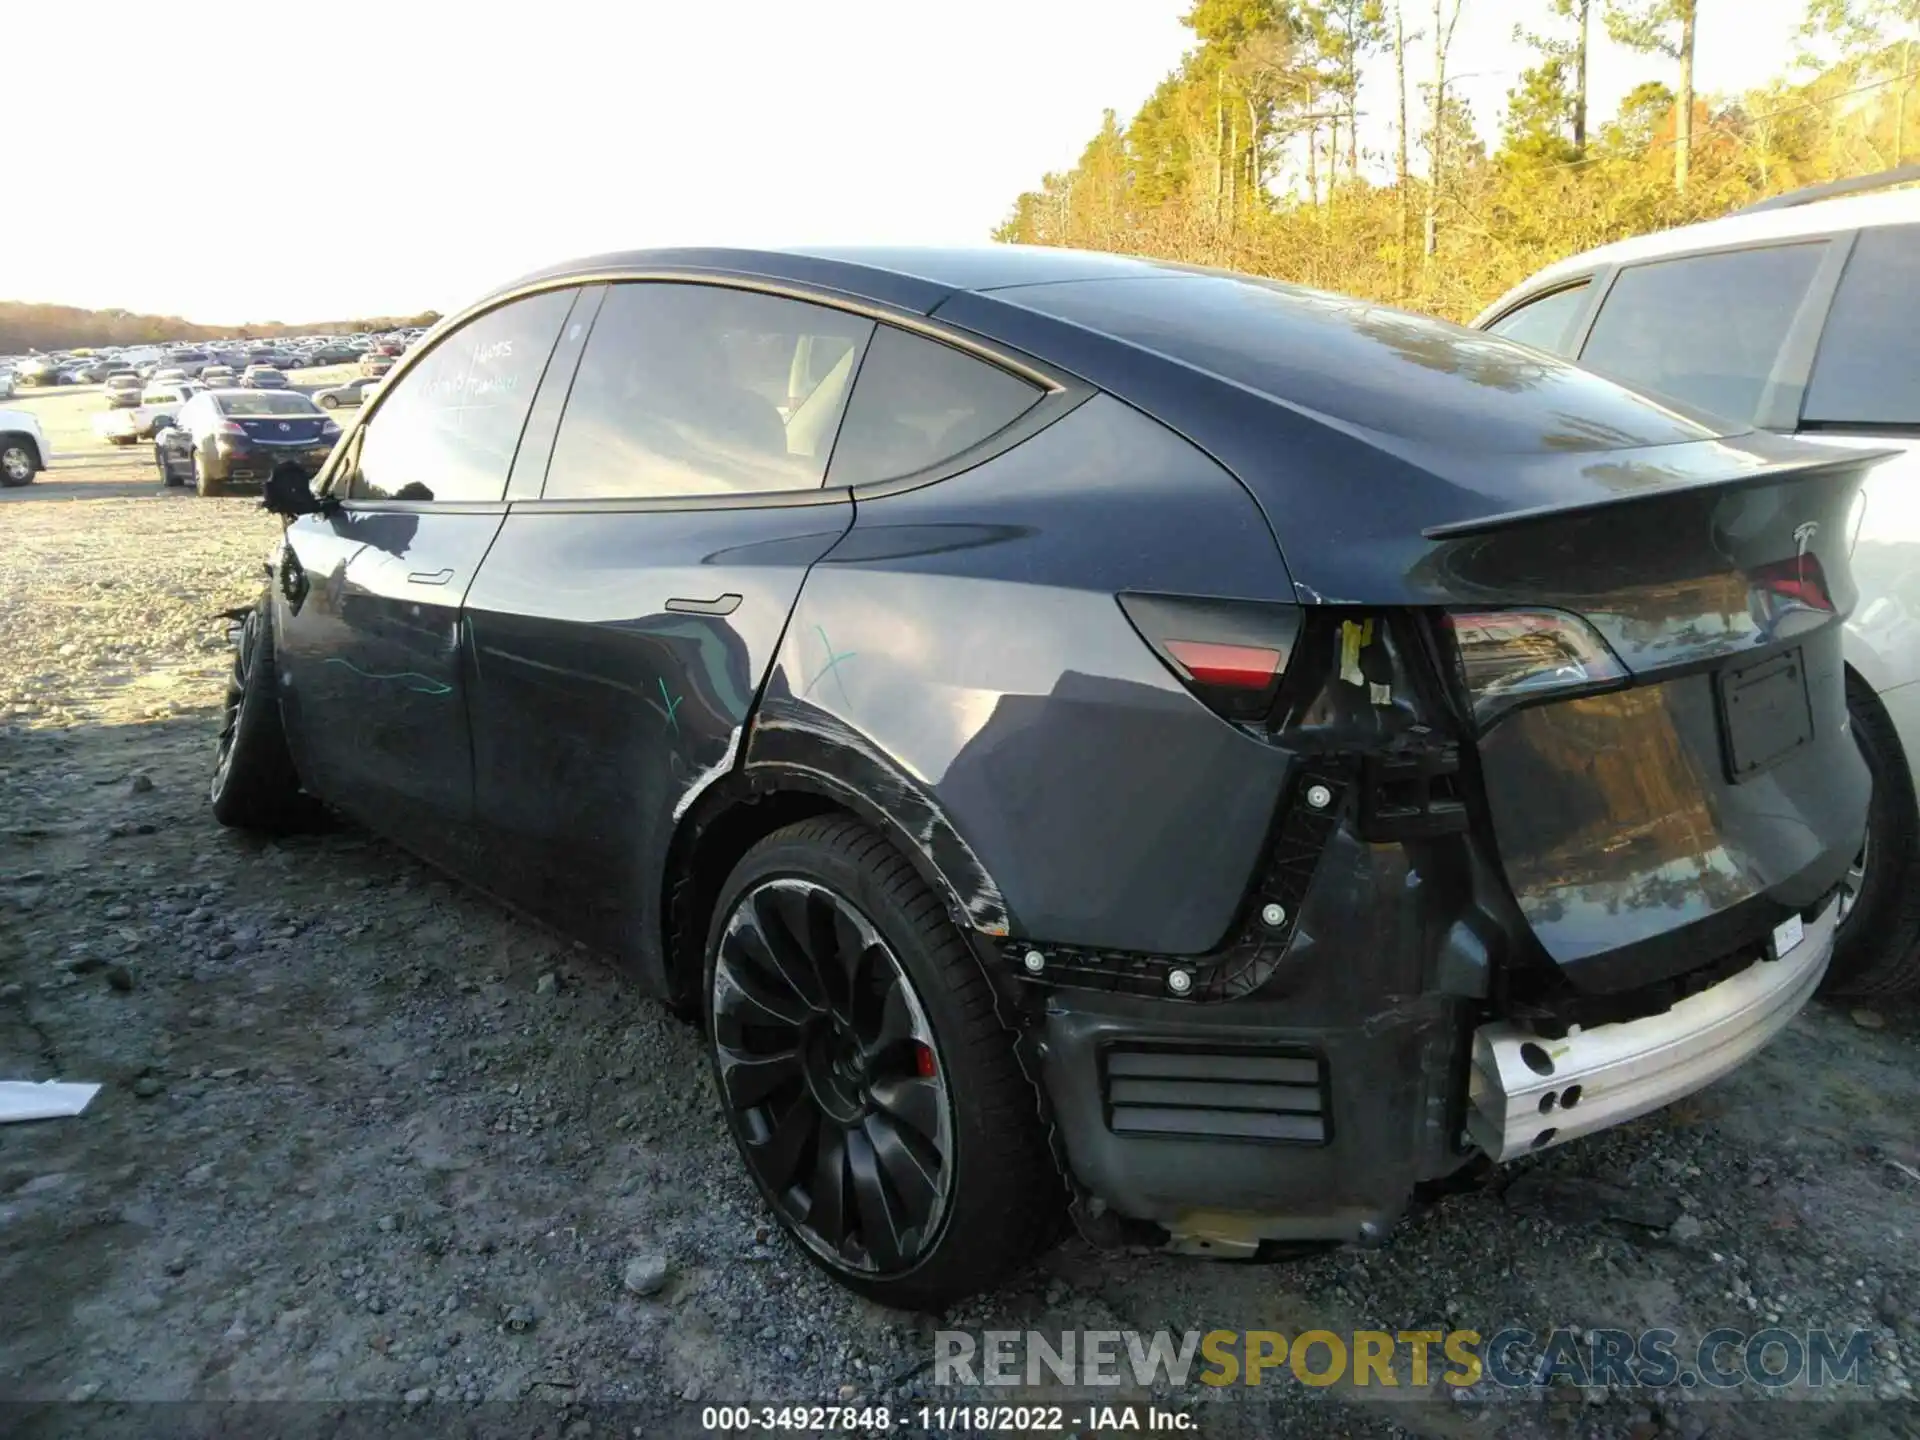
pixel 364 1137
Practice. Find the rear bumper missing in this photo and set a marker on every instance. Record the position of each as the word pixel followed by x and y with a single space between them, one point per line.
pixel 1527 1093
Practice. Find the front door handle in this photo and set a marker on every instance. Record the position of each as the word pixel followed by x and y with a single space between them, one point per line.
pixel 723 605
pixel 437 577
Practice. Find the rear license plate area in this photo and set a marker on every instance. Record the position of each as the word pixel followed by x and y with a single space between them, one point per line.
pixel 1764 713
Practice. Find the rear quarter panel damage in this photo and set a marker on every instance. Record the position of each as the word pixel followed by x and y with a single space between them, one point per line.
pixel 964 641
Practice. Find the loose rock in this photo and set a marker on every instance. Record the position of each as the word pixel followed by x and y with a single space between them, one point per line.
pixel 647 1274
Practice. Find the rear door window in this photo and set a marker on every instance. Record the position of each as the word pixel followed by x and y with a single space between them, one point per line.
pixel 1867 371
pixel 449 430
pixel 1703 329
pixel 919 402
pixel 689 390
pixel 1543 323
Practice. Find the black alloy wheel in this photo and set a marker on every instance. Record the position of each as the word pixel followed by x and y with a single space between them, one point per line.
pixel 832 1076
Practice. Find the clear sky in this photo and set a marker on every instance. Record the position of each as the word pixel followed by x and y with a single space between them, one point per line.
pixel 301 161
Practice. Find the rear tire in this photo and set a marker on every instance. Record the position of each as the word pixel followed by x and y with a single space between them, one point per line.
pixel 1877 952
pixel 203 483
pixel 918 1170
pixel 255 786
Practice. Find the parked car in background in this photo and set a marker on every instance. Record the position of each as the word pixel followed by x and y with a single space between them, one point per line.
pixel 333 355
pixel 224 438
pixel 24 451
pixel 374 364
pixel 158 404
pixel 37 370
pixel 263 377
pixel 1795 316
pixel 6 382
pixel 1250 748
pixel 354 392
pixel 215 377
pixel 123 389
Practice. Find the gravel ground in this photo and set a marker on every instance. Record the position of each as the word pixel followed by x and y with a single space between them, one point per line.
pixel 365 1137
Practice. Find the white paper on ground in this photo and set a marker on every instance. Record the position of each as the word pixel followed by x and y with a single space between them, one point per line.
pixel 49 1100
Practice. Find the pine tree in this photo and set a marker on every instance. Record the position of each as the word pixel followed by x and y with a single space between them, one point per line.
pixel 1663 27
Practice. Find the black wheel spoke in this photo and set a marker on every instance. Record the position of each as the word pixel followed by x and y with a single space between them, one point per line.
pixel 852 948
pixel 779 1156
pixel 912 1100
pixel 909 1164
pixel 882 1225
pixel 895 1025
pixel 746 998
pixel 827 1198
pixel 781 917
pixel 750 1079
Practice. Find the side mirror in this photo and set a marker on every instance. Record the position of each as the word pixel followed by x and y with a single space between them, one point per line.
pixel 288 492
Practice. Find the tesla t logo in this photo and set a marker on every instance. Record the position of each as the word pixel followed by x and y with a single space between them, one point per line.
pixel 285 426
pixel 1803 534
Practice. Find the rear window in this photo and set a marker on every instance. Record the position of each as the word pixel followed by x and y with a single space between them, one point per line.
pixel 1385 370
pixel 1543 323
pixel 918 402
pixel 1703 329
pixel 1868 368
pixel 268 404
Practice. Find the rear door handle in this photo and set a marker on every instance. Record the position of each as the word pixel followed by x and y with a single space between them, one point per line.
pixel 437 577
pixel 723 605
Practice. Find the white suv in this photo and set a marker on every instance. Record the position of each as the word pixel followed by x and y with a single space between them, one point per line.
pixel 23 447
pixel 1802 315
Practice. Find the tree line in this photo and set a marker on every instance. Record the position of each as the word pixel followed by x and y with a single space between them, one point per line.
pixel 1248 155
pixel 25 327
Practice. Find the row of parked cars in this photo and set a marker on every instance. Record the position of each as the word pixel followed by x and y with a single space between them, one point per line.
pixel 139 407
pixel 372 352
pixel 1080 733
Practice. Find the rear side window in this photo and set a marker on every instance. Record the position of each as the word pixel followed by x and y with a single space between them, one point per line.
pixel 449 430
pixel 1543 323
pixel 1705 329
pixel 919 402
pixel 1868 368
pixel 689 390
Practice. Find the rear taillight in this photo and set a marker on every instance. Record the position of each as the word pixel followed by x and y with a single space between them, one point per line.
pixel 1230 653
pixel 329 430
pixel 1509 657
pixel 231 430
pixel 1799 583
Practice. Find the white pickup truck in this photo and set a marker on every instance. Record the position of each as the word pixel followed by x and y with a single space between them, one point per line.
pixel 158 404
pixel 23 447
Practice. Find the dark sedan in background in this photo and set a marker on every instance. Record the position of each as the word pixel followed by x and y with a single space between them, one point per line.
pixel 239 437
pixel 1079 732
pixel 263 377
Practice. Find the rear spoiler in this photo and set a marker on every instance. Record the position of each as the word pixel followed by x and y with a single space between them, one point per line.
pixel 1841 466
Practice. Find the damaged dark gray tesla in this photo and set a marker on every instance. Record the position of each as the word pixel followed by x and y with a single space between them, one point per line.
pixel 1083 734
